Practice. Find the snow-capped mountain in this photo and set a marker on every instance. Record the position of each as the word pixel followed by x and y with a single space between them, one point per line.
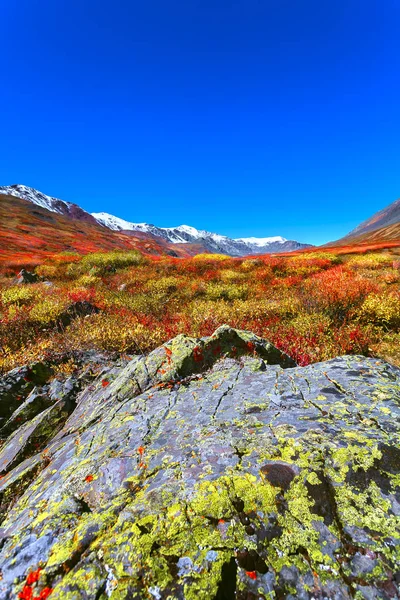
pixel 184 234
pixel 61 207
pixel 254 241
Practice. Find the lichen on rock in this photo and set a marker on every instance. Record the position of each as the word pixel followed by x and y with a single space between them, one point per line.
pixel 211 468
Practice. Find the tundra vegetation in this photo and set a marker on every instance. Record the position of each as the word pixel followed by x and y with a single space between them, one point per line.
pixel 312 305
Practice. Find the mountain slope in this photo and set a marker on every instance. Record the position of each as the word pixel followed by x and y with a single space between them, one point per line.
pixel 213 242
pixel 390 215
pixel 382 230
pixel 29 233
pixel 68 209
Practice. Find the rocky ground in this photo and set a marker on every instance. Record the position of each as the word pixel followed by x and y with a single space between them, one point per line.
pixel 209 469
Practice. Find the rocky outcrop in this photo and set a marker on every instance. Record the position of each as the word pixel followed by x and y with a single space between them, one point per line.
pixel 211 469
pixel 24 277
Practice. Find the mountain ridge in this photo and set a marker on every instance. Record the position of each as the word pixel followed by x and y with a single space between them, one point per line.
pixel 214 242
pixel 382 229
pixel 387 216
pixel 183 234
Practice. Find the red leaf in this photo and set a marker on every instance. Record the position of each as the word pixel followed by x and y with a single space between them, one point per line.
pixel 45 593
pixel 251 574
pixel 26 593
pixel 33 577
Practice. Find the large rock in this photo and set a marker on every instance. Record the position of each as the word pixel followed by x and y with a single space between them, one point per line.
pixel 209 469
pixel 25 276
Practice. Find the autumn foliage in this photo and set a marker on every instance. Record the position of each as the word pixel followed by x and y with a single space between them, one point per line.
pixel 312 305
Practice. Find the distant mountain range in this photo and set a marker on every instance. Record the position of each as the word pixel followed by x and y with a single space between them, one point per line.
pixel 213 242
pixel 183 234
pixel 34 225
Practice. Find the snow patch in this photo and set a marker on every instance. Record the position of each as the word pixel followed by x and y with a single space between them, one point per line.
pixel 118 224
pixel 277 239
pixel 36 197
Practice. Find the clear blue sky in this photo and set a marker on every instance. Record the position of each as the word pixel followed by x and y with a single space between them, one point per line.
pixel 247 117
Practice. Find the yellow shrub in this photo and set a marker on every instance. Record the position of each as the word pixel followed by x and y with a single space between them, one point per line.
pixel 223 291
pixel 114 260
pixel 251 264
pixel 287 306
pixel 164 285
pixel 381 310
pixel 47 271
pixel 47 310
pixel 111 333
pixel 86 281
pixel 303 270
pixel 309 324
pixel 304 256
pixel 19 295
pixel 370 261
pixel 211 257
pixel 73 270
pixel 138 303
pixel 229 275
pixel 103 263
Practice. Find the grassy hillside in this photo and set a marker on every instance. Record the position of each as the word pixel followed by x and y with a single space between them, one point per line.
pixel 29 234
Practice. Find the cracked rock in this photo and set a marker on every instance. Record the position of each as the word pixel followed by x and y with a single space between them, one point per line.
pixel 211 468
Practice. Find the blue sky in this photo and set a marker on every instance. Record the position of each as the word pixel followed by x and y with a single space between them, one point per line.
pixel 247 117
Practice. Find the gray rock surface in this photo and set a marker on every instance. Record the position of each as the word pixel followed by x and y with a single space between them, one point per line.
pixel 211 469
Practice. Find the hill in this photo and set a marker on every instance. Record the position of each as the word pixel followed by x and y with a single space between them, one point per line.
pixel 29 233
pixel 381 231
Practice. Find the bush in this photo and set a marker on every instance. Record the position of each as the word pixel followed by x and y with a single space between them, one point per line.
pixel 47 271
pixel 251 263
pixel 231 276
pixel 336 292
pixel 164 285
pixel 307 305
pixel 210 257
pixel 383 310
pixel 88 281
pixel 105 262
pixel 48 310
pixel 19 295
pixel 223 291
pixel 370 261
pixel 325 257
pixel 148 304
pixel 112 333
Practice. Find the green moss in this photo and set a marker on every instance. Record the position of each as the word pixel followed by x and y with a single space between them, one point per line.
pixel 81 582
pixel 370 511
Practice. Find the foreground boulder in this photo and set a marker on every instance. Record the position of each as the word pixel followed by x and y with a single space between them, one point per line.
pixel 211 469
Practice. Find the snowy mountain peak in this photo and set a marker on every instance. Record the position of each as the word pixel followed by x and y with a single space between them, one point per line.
pixel 118 224
pixel 183 234
pixel 185 229
pixel 54 205
pixel 34 196
pixel 213 242
pixel 277 239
